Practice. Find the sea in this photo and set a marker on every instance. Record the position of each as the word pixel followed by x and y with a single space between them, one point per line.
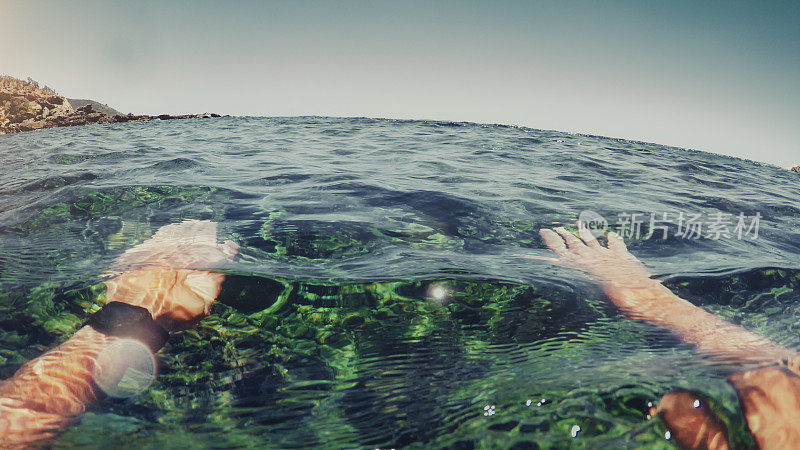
pixel 382 297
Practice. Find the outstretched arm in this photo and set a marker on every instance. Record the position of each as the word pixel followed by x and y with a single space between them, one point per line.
pixel 627 283
pixel 770 396
pixel 50 391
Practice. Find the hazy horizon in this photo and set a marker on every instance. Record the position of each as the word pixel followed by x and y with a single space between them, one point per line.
pixel 718 77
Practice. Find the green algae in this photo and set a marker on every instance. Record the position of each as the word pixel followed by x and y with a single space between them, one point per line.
pixel 329 244
pixel 130 202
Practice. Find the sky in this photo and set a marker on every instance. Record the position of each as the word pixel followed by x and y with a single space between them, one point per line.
pixel 717 76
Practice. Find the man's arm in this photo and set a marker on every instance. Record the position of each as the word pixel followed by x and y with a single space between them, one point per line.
pixel 628 285
pixel 49 392
pixel 770 396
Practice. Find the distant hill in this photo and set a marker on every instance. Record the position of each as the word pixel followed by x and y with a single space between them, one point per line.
pixel 97 106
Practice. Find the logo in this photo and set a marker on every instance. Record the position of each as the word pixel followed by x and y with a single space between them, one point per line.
pixel 595 223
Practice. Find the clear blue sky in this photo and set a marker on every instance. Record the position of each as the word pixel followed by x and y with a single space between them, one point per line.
pixel 721 77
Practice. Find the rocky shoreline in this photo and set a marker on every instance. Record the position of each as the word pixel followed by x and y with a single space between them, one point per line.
pixel 24 106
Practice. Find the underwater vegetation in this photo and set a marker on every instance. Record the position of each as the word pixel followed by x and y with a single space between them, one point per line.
pixel 444 361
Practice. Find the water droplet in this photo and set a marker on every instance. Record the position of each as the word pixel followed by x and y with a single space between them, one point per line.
pixel 575 430
pixel 667 435
pixel 696 404
pixel 528 402
pixel 649 404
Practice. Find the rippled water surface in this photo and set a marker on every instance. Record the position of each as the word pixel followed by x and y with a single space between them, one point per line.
pixel 379 299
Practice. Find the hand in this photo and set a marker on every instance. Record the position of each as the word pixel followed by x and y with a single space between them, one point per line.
pixel 691 423
pixel 771 402
pixel 176 299
pixel 770 399
pixel 613 265
pixel 191 244
pixel 158 274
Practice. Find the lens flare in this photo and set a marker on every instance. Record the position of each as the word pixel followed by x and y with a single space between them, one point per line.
pixel 439 293
pixel 125 368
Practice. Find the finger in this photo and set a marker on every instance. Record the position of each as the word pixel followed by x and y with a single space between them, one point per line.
pixel 616 243
pixel 587 236
pixel 553 242
pixel 572 241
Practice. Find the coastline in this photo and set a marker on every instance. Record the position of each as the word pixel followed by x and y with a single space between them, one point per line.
pixel 25 106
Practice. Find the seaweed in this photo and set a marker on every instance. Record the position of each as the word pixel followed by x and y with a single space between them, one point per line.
pixel 446 361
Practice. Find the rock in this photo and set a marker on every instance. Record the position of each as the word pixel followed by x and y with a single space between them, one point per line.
pixel 796 169
pixel 24 106
pixel 33 126
pixel 19 118
pixel 94 117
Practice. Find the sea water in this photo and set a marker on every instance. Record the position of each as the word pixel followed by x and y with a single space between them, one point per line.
pixel 379 298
